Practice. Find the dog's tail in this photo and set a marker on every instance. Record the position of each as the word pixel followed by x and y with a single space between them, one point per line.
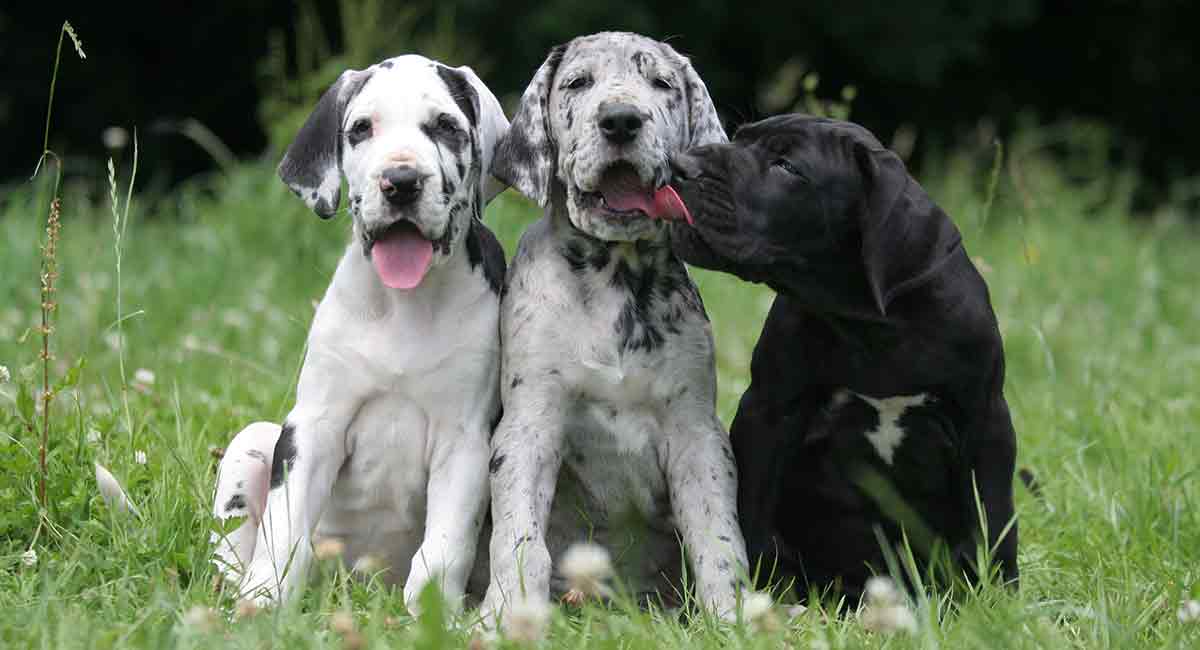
pixel 243 482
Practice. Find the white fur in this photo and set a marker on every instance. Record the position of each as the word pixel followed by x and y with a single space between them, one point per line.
pixel 888 436
pixel 398 391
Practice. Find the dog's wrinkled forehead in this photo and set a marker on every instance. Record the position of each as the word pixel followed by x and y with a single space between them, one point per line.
pixel 616 55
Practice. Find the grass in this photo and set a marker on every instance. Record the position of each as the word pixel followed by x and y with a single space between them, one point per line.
pixel 220 279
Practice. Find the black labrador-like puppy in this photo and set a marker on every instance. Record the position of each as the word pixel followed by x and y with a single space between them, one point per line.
pixel 876 403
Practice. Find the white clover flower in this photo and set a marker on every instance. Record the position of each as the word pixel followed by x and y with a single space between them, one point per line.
pixel 144 376
pixel 1189 611
pixel 29 558
pixel 139 457
pixel 586 566
pixel 526 620
pixel 5 375
pixel 881 591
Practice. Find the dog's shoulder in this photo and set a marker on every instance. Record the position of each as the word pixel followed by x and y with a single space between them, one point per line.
pixel 484 250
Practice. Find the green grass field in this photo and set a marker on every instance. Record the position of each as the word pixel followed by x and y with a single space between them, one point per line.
pixel 219 280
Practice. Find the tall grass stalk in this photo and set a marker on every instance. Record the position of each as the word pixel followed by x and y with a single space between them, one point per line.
pixel 120 222
pixel 49 270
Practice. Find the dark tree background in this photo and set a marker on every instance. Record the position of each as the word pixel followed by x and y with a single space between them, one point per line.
pixel 938 66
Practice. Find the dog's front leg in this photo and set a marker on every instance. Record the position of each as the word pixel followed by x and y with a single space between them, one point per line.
pixel 310 451
pixel 526 456
pixel 702 478
pixel 457 501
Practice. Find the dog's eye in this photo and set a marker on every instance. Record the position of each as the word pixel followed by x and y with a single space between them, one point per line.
pixel 787 166
pixel 360 130
pixel 579 83
pixel 446 123
pixel 662 83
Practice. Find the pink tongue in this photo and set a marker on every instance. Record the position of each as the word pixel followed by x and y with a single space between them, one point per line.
pixel 664 204
pixel 402 257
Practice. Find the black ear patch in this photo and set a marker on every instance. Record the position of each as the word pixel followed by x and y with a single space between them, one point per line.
pixel 462 92
pixel 311 166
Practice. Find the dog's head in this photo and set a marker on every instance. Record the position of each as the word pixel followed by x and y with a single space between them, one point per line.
pixel 596 127
pixel 806 204
pixel 413 139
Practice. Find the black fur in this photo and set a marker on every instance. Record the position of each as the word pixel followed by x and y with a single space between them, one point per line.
pixel 462 91
pixel 878 298
pixel 483 249
pixel 317 148
pixel 285 455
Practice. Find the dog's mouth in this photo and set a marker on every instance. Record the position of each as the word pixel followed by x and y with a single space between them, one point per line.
pixel 621 195
pixel 400 254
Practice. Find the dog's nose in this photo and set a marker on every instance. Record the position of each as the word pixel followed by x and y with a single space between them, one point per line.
pixel 620 123
pixel 400 185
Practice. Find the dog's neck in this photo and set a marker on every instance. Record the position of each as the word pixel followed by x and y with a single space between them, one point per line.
pixel 583 250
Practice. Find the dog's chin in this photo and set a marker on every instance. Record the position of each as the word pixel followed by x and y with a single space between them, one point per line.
pixel 589 215
pixel 437 234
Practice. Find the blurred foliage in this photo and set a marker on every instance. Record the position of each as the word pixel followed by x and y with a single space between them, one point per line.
pixel 923 76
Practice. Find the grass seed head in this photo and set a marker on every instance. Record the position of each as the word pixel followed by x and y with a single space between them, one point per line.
pixel 586 567
pixel 526 620
pixel 1189 611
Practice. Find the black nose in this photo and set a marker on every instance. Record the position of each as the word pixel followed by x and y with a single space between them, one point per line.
pixel 400 185
pixel 620 123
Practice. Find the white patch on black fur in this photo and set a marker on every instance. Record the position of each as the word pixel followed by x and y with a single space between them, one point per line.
pixel 887 437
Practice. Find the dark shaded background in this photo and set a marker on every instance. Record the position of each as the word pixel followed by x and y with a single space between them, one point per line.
pixel 936 68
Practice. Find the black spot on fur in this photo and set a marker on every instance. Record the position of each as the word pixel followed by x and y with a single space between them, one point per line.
pixel 516 381
pixel 581 254
pixel 462 91
pixel 386 64
pixel 285 455
pixel 483 249
pixel 236 502
pixel 496 462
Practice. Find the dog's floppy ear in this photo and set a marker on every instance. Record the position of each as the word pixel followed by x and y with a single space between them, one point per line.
pixel 312 164
pixel 527 154
pixel 487 118
pixel 704 125
pixel 906 237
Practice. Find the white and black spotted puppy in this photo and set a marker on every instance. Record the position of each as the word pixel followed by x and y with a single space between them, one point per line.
pixel 386 448
pixel 609 430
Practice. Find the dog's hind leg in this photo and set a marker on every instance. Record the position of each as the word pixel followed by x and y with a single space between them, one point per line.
pixel 243 481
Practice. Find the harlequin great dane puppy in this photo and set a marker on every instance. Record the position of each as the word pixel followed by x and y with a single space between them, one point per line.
pixel 876 396
pixel 386 448
pixel 609 430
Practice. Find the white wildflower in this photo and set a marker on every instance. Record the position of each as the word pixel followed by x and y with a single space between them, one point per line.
pixel 796 611
pixel 343 624
pixel 139 457
pixel 114 137
pixel 144 376
pixel 1189 611
pixel 29 558
pixel 93 437
pixel 112 492
pixel 888 619
pixel 200 618
pixel 5 375
pixel 586 566
pixel 113 340
pixel 526 620
pixel 758 609
pixel 881 591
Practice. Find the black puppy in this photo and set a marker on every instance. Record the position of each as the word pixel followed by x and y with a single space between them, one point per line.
pixel 876 400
